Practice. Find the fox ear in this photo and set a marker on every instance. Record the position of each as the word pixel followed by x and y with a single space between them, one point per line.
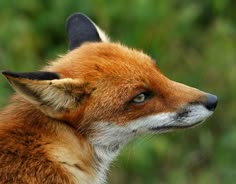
pixel 47 91
pixel 81 28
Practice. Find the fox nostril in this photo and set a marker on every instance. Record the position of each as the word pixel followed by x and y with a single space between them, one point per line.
pixel 210 102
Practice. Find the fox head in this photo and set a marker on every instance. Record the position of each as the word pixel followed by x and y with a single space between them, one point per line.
pixel 108 92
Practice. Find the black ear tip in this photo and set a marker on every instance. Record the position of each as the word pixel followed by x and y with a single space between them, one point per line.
pixel 75 19
pixel 32 75
pixel 80 28
pixel 3 72
pixel 8 73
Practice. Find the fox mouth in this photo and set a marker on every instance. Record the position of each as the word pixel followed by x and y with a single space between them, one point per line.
pixel 175 127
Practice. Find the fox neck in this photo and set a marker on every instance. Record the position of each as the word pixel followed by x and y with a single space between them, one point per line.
pixel 103 151
pixel 104 156
pixel 107 144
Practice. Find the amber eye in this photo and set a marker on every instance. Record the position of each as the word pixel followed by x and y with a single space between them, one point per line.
pixel 142 97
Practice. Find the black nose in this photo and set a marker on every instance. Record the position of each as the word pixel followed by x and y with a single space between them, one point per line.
pixel 210 102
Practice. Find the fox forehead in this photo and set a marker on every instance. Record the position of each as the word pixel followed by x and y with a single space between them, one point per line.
pixel 94 61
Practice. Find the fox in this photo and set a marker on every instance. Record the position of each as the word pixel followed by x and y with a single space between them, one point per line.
pixel 69 120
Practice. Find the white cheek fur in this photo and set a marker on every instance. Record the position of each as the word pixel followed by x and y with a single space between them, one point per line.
pixel 111 137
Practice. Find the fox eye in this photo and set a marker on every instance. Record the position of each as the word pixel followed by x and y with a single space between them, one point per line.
pixel 142 97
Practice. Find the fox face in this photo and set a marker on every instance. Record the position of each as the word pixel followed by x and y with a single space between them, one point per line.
pixel 108 92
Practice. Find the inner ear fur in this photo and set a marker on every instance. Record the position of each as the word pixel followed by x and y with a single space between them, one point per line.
pixel 55 95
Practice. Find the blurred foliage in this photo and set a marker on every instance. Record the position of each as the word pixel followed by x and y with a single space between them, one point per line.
pixel 194 42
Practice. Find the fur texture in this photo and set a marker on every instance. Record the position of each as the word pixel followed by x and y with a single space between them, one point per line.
pixel 67 126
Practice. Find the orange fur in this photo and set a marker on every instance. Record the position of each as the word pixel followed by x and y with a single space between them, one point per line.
pixel 29 142
pixel 44 141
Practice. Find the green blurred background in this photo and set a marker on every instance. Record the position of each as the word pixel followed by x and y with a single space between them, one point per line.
pixel 193 42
